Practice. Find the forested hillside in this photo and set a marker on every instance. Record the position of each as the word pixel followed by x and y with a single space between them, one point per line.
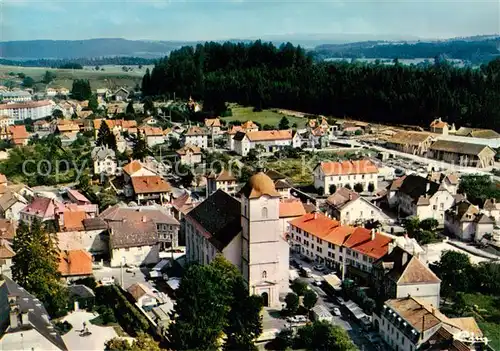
pixel 475 51
pixel 262 75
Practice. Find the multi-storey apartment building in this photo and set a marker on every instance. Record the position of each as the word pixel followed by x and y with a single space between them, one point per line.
pixel 32 109
pixel 342 174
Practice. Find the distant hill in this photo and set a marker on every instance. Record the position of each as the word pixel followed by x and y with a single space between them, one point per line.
pixel 66 49
pixel 475 49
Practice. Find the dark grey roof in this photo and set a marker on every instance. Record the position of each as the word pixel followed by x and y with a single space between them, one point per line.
pixel 101 153
pixel 457 147
pixel 80 290
pixel 416 186
pixel 156 213
pixel 282 184
pixel 239 136
pixel 132 234
pixel 37 314
pixel 94 224
pixel 271 173
pixel 220 215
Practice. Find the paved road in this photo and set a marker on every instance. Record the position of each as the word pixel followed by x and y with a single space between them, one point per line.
pixel 354 331
pixel 128 278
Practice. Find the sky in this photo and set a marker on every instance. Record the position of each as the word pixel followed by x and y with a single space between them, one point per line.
pixel 240 19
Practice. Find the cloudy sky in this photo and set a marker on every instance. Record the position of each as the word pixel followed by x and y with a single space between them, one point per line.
pixel 217 19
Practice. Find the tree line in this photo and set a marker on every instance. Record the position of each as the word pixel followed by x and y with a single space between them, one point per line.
pixel 476 51
pixel 262 75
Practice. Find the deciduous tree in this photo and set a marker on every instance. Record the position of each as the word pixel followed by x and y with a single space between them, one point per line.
pixel 35 266
pixel 292 303
pixel 310 299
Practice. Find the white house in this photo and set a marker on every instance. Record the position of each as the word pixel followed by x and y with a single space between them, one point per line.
pixel 189 154
pixel 214 125
pixel 492 208
pixel 153 135
pixel 145 297
pixel 135 243
pixel 247 233
pixel 11 205
pixel 15 96
pixel 466 222
pixel 225 180
pixel 24 321
pixel 414 195
pixel 407 323
pixel 269 140
pixel 401 273
pixel 348 207
pixel 104 161
pixel 33 109
pixel 345 173
pixel 196 136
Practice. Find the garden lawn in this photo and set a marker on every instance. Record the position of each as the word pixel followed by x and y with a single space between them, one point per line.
pixel 270 117
pixel 295 169
pixel 487 314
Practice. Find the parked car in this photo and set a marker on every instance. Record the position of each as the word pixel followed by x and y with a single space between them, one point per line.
pixel 291 319
pixel 319 267
pixel 336 311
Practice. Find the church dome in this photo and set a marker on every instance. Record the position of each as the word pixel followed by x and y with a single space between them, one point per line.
pixel 259 184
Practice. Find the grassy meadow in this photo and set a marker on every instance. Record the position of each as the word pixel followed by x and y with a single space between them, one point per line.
pixel 269 116
pixel 112 77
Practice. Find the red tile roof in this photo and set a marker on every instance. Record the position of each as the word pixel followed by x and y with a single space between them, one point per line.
pixel 75 194
pixel 361 241
pixel 291 208
pixel 132 167
pixel 193 131
pixel 322 227
pixel 348 167
pixel 6 250
pixel 150 184
pixel 73 220
pixel 30 104
pixel 212 122
pixel 264 135
pixel 75 262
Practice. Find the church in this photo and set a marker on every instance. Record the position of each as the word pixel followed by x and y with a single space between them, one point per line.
pixel 247 232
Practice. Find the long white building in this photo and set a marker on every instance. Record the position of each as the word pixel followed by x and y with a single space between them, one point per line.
pixel 269 140
pixel 21 111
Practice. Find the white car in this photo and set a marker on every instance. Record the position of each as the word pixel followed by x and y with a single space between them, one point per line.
pixel 292 319
pixel 336 311
pixel 107 281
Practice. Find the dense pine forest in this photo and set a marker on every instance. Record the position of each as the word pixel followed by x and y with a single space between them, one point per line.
pixel 262 75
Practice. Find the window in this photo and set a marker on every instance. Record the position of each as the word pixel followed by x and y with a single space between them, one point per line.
pixel 362 176
pixel 361 213
pixel 264 212
pixel 434 207
pixel 264 274
pixel 441 206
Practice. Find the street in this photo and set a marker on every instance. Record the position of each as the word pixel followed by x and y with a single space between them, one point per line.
pixel 354 331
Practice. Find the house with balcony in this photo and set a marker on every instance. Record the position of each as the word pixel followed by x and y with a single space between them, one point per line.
pixel 196 136
pixel 345 173
pixel 150 189
pixel 225 180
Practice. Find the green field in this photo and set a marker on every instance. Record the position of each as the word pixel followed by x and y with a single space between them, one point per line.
pixel 486 310
pixel 270 117
pixel 112 76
